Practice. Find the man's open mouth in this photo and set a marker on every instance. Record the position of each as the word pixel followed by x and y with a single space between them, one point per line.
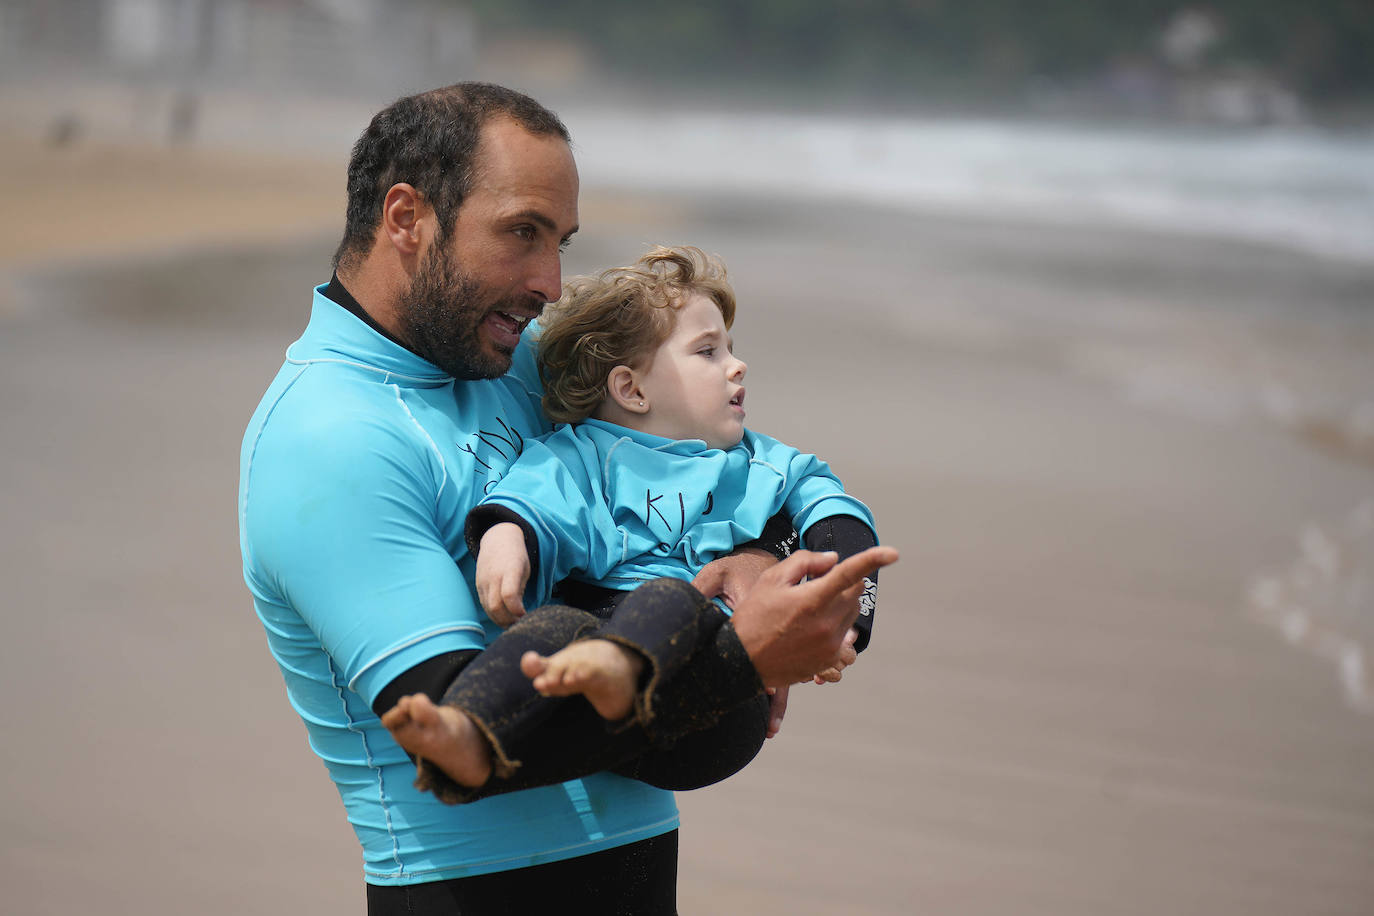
pixel 512 324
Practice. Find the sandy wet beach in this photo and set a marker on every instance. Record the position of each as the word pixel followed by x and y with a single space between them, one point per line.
pixel 1069 706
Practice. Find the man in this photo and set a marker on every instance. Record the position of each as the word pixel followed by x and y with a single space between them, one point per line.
pixel 410 392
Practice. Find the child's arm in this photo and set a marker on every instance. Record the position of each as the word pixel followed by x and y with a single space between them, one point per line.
pixel 503 569
pixel 847 535
pixel 548 493
pixel 829 519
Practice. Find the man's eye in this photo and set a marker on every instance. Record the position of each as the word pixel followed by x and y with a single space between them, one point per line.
pixel 525 232
pixel 563 245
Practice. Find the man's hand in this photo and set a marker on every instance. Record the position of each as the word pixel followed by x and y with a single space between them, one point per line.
pixel 730 577
pixel 794 620
pixel 503 568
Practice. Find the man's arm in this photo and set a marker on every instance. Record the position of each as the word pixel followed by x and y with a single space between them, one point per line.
pixel 782 631
pixel 431 677
pixel 731 577
pixel 339 525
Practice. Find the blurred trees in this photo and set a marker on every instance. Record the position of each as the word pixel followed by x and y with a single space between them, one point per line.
pixel 960 49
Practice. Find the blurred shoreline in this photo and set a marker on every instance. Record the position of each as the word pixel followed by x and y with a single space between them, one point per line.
pixel 1292 186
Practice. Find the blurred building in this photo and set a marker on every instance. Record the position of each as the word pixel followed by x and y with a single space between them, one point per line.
pixel 381 47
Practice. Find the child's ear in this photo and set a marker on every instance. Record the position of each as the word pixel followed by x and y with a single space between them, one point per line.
pixel 622 384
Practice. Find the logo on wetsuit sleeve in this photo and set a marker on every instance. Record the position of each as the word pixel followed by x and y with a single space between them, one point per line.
pixel 869 599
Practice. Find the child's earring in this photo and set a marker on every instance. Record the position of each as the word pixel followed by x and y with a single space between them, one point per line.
pixel 641 403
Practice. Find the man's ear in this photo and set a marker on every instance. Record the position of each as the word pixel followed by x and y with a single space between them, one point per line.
pixel 405 219
pixel 622 384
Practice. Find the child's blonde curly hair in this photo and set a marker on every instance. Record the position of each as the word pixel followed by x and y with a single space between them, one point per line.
pixel 617 318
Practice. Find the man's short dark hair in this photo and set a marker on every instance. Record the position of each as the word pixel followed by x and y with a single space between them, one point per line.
pixel 429 141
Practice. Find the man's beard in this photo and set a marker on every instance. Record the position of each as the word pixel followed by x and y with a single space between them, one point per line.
pixel 443 313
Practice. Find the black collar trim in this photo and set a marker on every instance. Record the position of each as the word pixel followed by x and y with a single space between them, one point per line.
pixel 337 293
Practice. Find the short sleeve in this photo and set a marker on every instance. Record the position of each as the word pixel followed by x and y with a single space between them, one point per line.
pixel 342 522
pixel 814 492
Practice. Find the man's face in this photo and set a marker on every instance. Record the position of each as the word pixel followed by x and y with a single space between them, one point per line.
pixel 442 311
pixel 476 289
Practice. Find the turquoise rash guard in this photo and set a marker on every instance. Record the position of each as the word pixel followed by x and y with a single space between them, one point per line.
pixel 358 470
pixel 615 507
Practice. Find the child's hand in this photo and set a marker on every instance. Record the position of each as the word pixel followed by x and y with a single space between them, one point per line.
pixel 777 708
pixel 847 657
pixel 503 568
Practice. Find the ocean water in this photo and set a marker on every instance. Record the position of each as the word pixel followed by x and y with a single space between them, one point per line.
pixel 1302 188
pixel 1322 600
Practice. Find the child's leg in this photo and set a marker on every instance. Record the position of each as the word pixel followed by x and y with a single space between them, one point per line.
pixel 537 741
pixel 490 703
pixel 597 667
pixel 702 732
pixel 705 757
pixel 604 672
pixel 645 642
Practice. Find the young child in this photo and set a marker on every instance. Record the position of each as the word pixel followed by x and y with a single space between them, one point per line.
pixel 654 476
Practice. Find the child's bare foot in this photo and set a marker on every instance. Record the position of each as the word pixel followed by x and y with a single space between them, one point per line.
pixel 442 735
pixel 602 671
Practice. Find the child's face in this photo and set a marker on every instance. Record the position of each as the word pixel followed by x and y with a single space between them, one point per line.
pixel 693 386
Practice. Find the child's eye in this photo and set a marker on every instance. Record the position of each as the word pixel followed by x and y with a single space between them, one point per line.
pixel 707 352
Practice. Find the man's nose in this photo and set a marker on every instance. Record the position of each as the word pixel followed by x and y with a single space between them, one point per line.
pixel 546 277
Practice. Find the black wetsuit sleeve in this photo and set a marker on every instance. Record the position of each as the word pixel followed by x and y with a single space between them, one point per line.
pixel 778 537
pixel 483 518
pixel 431 677
pixel 846 535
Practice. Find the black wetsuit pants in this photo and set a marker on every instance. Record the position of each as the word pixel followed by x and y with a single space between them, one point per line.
pixel 700 712
pixel 639 879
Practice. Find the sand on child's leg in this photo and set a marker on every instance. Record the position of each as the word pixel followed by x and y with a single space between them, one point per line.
pixel 443 735
pixel 606 673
